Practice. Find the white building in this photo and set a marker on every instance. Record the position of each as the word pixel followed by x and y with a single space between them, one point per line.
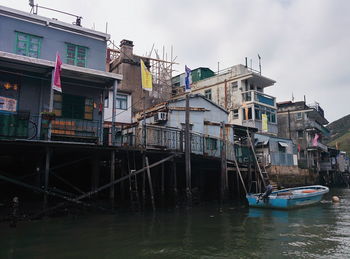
pixel 122 108
pixel 240 90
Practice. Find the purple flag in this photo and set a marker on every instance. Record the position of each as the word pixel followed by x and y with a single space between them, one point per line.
pixel 187 79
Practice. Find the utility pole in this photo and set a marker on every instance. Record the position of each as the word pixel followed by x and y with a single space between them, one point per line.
pixel 223 178
pixel 188 152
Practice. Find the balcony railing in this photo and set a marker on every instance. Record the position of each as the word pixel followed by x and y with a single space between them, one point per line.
pixel 258 97
pixel 18 125
pixel 321 128
pixel 172 139
pixel 319 145
pixel 71 129
pixel 23 125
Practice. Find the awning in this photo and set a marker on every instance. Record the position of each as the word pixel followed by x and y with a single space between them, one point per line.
pixel 261 143
pixel 282 144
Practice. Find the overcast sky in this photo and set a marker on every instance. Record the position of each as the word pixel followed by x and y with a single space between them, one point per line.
pixel 304 44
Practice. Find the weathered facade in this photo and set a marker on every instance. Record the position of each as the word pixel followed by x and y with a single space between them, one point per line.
pixel 276 151
pixel 304 124
pixel 28 48
pixel 240 90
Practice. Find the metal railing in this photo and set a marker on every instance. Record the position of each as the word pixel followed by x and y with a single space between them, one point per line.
pixel 34 127
pixel 165 138
pixel 23 125
pixel 18 125
pixel 259 97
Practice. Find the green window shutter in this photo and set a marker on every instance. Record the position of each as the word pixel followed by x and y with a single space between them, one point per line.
pixel 76 55
pixel 28 45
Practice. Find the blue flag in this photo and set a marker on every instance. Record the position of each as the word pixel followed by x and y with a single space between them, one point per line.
pixel 187 79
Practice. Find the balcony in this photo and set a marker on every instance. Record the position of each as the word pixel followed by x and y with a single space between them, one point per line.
pixel 319 146
pixel 271 127
pixel 259 97
pixel 319 127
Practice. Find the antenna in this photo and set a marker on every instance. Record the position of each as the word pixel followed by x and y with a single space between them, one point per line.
pixel 36 6
pixel 259 63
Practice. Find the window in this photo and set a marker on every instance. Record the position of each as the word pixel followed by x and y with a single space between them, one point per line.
pixel 234 86
pixel 247 113
pixel 73 106
pixel 106 102
pixel 207 94
pixel 235 114
pixel 76 55
pixel 122 102
pixel 270 113
pixel 300 133
pixel 28 45
pixel 211 143
pixel 281 149
pixel 299 116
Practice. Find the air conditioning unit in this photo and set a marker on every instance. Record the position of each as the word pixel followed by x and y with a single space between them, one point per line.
pixel 160 116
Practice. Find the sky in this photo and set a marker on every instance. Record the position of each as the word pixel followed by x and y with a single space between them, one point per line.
pixel 304 44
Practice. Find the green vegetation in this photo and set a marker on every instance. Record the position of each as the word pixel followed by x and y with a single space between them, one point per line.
pixel 340 133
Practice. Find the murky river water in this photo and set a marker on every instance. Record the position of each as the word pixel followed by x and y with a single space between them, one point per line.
pixel 322 231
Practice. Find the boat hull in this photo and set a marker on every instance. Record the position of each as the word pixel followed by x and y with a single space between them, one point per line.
pixel 290 198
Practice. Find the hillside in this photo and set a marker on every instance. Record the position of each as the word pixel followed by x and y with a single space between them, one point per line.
pixel 340 132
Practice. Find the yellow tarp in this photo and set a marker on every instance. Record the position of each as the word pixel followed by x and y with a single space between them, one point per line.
pixel 146 77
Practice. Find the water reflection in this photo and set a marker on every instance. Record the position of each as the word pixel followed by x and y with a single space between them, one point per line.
pixel 321 231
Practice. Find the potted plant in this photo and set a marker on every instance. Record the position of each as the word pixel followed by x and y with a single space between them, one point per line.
pixel 48 116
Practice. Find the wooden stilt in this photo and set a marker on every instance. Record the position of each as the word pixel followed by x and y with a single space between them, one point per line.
pixel 162 184
pixel 143 183
pixel 175 182
pixel 150 184
pixel 95 172
pixel 47 175
pixel 112 183
pixel 112 178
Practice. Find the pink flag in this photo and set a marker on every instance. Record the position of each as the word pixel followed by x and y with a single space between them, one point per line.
pixel 315 140
pixel 56 84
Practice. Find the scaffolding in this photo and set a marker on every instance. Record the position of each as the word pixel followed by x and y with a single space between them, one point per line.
pixel 161 66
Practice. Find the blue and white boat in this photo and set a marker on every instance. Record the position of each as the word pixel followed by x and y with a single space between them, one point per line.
pixel 289 198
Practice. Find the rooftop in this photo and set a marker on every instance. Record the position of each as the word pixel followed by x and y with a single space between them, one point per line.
pixel 53 23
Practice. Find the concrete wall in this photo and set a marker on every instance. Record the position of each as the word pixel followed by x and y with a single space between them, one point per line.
pixel 292 176
pixel 53 40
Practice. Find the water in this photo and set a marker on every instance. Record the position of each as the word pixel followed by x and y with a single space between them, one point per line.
pixel 321 231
